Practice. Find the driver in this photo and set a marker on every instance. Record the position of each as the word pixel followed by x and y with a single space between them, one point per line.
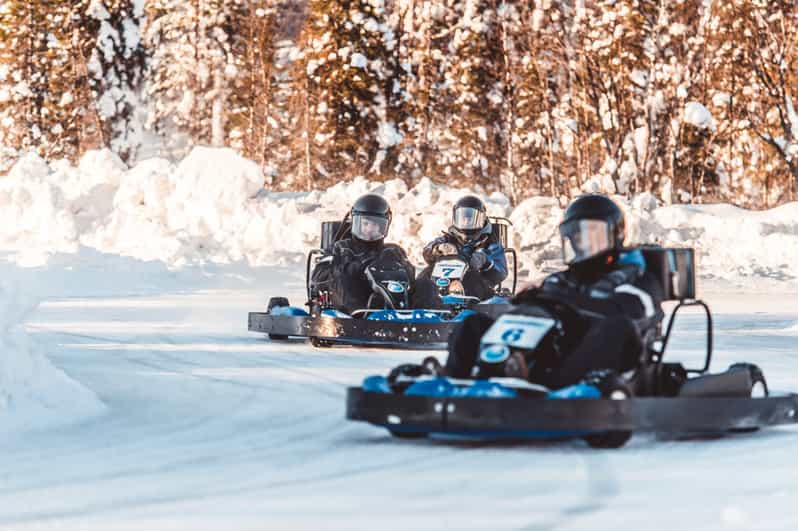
pixel 608 304
pixel 343 273
pixel 470 237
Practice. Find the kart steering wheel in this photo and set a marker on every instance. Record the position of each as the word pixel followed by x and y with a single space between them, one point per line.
pixel 564 311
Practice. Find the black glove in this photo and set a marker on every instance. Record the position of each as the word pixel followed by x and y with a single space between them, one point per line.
pixel 478 260
pixel 444 249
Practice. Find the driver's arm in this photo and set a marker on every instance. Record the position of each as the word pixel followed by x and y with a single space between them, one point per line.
pixel 397 255
pixel 495 270
pixel 345 263
pixel 429 250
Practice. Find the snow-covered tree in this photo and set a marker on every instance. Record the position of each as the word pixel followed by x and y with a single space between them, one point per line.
pixel 109 45
pixel 39 78
pixel 196 50
pixel 472 143
pixel 350 113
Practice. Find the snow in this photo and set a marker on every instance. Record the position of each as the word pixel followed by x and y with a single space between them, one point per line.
pixel 211 207
pixel 698 115
pixel 132 396
pixel 358 60
pixel 34 394
pixel 205 426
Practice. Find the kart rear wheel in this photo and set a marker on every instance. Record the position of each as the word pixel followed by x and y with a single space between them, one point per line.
pixel 276 302
pixel 759 388
pixel 612 386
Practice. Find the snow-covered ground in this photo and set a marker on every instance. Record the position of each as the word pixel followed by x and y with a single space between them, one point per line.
pixel 131 394
pixel 206 426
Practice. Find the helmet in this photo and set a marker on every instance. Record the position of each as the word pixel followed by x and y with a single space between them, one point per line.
pixel 371 217
pixel 593 226
pixel 469 215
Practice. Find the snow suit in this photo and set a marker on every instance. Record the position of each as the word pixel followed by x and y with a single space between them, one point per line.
pixel 481 283
pixel 342 273
pixel 606 319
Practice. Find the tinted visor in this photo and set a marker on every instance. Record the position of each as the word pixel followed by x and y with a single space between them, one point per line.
pixel 585 238
pixel 467 218
pixel 368 227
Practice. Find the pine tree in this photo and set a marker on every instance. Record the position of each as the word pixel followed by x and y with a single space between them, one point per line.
pixel 193 77
pixel 352 107
pixel 473 141
pixel 251 127
pixel 39 85
pixel 753 71
pixel 111 58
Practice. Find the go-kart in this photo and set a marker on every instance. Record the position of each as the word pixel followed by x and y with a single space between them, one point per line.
pixel 604 409
pixel 386 321
pixel 450 267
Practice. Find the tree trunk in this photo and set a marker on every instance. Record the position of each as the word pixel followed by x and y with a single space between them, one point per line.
pixel 217 111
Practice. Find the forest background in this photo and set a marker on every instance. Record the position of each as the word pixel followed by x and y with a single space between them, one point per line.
pixel 692 100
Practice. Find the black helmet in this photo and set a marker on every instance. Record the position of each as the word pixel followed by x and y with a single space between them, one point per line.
pixel 469 215
pixel 371 217
pixel 593 226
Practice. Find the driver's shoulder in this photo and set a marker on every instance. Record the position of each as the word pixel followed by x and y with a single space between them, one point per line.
pixel 394 247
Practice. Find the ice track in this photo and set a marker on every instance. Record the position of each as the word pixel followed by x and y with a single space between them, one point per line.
pixel 210 427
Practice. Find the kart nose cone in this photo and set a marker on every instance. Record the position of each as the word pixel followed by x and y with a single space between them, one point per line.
pixel 395 287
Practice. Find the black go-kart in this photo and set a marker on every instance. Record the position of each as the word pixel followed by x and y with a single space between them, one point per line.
pixel 387 321
pixel 604 409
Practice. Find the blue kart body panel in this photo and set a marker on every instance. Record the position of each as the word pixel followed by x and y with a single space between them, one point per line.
pixel 445 388
pixel 411 328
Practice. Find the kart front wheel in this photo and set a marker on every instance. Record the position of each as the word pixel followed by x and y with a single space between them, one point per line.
pixel 276 302
pixel 612 386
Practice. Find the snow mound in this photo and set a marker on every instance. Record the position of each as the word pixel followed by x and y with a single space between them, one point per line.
pixel 33 393
pixel 211 207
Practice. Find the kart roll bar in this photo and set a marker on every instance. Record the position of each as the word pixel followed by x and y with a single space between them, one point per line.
pixel 666 337
pixel 311 254
pixel 500 231
pixel 511 252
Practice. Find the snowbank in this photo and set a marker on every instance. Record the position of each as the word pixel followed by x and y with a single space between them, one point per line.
pixel 33 393
pixel 211 207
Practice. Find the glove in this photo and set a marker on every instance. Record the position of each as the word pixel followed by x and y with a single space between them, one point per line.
pixel 478 260
pixel 443 249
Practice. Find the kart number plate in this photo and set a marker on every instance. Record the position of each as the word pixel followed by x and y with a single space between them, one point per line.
pixel 519 331
pixel 449 269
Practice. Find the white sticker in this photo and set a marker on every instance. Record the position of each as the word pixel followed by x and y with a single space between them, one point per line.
pixel 519 331
pixel 449 269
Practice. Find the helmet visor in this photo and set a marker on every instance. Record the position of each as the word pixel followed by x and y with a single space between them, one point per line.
pixel 368 227
pixel 585 238
pixel 467 218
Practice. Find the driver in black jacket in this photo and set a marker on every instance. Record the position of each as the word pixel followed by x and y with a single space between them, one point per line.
pixel 342 274
pixel 606 304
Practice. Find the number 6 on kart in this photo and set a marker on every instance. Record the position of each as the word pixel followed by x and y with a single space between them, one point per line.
pixel 518 331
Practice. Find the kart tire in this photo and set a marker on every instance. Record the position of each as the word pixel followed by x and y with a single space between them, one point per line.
pixel 276 302
pixel 612 386
pixel 759 389
pixel 320 343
